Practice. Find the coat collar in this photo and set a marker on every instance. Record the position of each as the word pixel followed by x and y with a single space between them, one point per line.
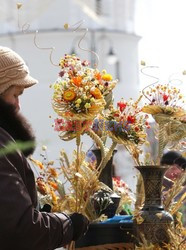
pixel 16 125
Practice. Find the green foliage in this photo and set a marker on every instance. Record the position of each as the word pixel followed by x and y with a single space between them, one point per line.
pixel 14 146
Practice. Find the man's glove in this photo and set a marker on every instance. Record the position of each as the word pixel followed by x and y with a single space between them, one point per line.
pixel 80 225
pixel 46 208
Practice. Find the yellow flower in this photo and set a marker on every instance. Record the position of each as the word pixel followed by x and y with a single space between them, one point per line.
pixel 56 86
pixel 107 77
pixel 78 101
pixel 69 95
pixel 87 105
pixel 54 197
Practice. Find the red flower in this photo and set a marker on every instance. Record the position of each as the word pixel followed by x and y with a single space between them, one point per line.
pixel 165 97
pixel 131 119
pixel 121 106
pixel 136 129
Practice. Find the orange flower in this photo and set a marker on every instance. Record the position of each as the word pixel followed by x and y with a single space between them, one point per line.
pixel 98 76
pixel 96 93
pixel 69 95
pixel 38 163
pixel 68 113
pixel 93 108
pixel 77 80
pixel 53 172
pixel 53 184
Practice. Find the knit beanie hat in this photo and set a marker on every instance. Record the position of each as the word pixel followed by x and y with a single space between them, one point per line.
pixel 13 70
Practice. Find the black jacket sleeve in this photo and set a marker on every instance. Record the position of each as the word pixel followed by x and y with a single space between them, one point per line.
pixel 21 225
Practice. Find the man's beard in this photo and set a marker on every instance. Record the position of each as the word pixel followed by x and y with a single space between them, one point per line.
pixel 16 125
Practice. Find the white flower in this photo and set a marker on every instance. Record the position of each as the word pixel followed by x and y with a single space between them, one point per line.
pixel 101 87
pixel 44 148
pixel 78 175
pixel 66 75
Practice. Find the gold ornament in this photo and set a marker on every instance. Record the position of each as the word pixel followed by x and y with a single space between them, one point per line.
pixel 66 26
pixel 19 5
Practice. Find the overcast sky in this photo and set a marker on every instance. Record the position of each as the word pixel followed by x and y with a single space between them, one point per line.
pixel 161 23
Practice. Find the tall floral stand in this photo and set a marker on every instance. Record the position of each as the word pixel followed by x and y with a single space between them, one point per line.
pixel 155 220
pixel 107 173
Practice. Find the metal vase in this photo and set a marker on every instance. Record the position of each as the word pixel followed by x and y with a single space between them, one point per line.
pixel 107 173
pixel 156 221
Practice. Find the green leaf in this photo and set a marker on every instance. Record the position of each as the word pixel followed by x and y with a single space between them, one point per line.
pixel 14 146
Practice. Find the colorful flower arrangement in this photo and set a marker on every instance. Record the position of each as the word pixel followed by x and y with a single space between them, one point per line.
pixel 164 99
pixel 80 90
pixel 128 126
pixel 167 106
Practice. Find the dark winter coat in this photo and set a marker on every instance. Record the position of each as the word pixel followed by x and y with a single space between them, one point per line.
pixel 22 226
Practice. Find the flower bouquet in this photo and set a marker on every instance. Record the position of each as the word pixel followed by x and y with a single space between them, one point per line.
pixel 79 91
pixel 166 105
pixel 127 126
